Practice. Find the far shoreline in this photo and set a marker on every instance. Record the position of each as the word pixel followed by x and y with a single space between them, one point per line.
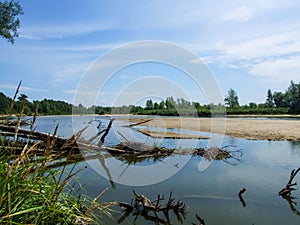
pixel 264 116
pixel 260 129
pixel 226 115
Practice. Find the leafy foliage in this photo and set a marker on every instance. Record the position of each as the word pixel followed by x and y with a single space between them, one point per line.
pixel 232 99
pixel 270 99
pixel 9 21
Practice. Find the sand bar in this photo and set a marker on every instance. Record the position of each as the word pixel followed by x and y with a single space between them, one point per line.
pixel 171 135
pixel 254 129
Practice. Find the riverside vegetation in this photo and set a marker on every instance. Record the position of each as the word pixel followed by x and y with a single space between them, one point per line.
pixel 31 191
pixel 276 103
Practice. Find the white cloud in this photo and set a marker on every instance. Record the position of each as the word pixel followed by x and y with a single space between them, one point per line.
pixel 29 37
pixel 73 92
pixel 241 14
pixel 266 46
pixel 72 72
pixel 279 69
pixel 271 57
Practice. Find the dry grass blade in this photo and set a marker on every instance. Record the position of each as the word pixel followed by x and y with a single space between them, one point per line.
pixel 14 99
pixel 34 117
pixel 19 120
pixel 94 202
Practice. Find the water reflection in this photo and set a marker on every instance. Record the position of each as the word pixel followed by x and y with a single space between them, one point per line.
pixel 292 203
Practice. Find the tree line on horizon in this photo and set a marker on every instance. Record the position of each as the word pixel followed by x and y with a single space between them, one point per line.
pixel 287 102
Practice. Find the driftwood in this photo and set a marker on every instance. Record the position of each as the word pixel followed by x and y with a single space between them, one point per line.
pixel 143 206
pixel 75 148
pixel 286 191
pixel 242 191
pixel 139 123
pixel 33 135
pixel 9 122
pixel 131 152
pixel 138 152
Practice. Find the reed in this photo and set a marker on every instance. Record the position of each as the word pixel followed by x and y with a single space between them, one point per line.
pixel 31 192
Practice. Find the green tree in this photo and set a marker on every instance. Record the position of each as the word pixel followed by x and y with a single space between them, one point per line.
pixel 252 105
pixel 280 99
pixel 161 105
pixel 22 98
pixel 9 21
pixel 170 103
pixel 4 103
pixel 293 97
pixel 270 99
pixel 149 104
pixel 232 99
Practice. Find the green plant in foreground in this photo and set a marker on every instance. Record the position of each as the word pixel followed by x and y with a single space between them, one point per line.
pixel 32 193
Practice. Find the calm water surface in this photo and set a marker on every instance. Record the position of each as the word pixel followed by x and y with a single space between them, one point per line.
pixel 263 169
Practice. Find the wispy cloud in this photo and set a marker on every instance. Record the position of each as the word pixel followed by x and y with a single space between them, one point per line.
pixel 241 14
pixel 22 88
pixel 266 46
pixel 60 31
pixel 274 57
pixel 280 69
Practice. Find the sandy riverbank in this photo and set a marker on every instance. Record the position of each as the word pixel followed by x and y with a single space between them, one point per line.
pixel 254 129
pixel 171 135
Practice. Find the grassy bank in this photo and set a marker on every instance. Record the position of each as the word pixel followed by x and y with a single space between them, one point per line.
pixel 33 193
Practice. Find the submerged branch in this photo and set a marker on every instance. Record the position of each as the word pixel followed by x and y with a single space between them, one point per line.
pixel 286 191
pixel 141 205
pixel 242 191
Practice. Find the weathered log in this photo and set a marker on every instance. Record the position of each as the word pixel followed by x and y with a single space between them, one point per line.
pixel 139 123
pixel 34 135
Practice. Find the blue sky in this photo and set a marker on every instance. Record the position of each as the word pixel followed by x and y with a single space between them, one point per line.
pixel 249 46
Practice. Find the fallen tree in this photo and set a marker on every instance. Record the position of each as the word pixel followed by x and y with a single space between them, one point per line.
pixel 76 145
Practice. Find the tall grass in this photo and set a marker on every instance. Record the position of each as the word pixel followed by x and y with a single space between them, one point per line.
pixel 32 193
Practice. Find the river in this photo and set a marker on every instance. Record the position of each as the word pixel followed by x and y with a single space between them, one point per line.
pixel 261 167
